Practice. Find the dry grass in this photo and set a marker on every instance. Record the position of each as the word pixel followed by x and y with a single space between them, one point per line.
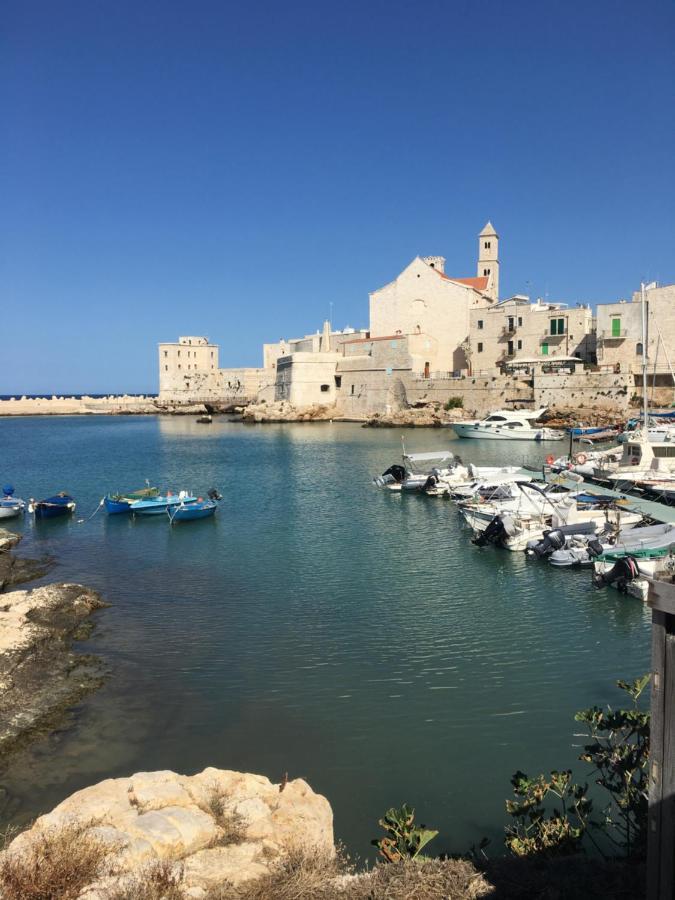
pixel 159 880
pixel 232 824
pixel 308 875
pixel 57 864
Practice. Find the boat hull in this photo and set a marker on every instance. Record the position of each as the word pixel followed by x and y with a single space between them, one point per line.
pixel 45 510
pixel 11 510
pixel 159 505
pixel 192 511
pixel 501 433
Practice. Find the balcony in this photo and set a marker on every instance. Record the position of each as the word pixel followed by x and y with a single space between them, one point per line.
pixel 612 335
pixel 510 329
pixel 553 337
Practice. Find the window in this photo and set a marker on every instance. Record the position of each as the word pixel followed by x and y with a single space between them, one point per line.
pixel 179 365
pixel 166 353
pixel 480 324
pixel 638 349
pixel 480 348
pixel 486 271
pixel 511 325
pixel 496 419
pixel 544 349
pixel 166 368
pixel 324 388
pixel 179 352
pixel 212 354
pixel 509 348
pixel 487 245
pixel 520 321
pixel 520 345
pixel 557 326
pixel 352 390
pixel 338 381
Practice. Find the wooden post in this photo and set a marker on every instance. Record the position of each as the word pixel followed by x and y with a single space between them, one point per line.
pixel 661 848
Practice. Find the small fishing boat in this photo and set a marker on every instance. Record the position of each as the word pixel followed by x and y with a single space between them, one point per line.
pixel 198 509
pixel 121 503
pixel 10 505
pixel 59 505
pixel 155 506
pixel 204 420
pixel 630 571
pixel 580 552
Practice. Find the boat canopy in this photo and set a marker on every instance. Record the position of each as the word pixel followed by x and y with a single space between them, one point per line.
pixel 424 457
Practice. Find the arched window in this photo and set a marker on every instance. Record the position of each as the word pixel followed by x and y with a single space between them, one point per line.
pixel 638 349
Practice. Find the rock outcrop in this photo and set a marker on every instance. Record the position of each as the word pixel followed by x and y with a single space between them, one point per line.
pixel 217 827
pixel 40 675
pixel 15 569
pixel 283 412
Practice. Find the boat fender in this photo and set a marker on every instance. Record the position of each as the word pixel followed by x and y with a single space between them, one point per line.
pixel 550 459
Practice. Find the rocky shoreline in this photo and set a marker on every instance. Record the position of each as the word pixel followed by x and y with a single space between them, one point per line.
pixel 41 677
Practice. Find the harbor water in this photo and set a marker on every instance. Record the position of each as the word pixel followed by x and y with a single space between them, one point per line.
pixel 316 626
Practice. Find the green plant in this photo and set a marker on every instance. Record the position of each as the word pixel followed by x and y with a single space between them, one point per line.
pixel 454 403
pixel 619 753
pixel 534 832
pixel 405 840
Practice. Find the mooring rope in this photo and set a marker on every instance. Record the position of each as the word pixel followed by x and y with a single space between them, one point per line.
pixel 100 504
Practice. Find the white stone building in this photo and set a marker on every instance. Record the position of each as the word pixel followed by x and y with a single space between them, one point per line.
pixel 518 329
pixel 189 373
pixel 424 301
pixel 620 342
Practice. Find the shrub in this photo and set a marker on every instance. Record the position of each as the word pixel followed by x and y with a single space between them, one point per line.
pixel 159 880
pixel 57 864
pixel 231 823
pixel 454 403
pixel 405 840
pixel 619 754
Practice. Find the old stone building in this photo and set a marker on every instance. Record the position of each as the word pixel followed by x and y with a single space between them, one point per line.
pixel 189 372
pixel 619 332
pixel 423 301
pixel 518 329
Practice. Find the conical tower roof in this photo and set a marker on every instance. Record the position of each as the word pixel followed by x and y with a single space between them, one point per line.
pixel 488 230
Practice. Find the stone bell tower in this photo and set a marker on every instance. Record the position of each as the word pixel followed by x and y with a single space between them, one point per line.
pixel 488 259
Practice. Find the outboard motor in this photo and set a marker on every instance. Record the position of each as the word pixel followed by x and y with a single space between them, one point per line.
pixel 214 495
pixel 594 548
pixel 431 482
pixel 397 473
pixel 622 572
pixel 552 540
pixel 494 533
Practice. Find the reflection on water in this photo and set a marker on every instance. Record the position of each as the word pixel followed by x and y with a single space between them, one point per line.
pixel 316 625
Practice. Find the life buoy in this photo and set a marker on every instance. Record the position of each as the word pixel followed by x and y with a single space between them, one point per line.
pixel 550 459
pixel 581 459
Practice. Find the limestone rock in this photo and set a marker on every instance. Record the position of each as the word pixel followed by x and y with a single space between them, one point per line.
pixel 281 411
pixel 190 821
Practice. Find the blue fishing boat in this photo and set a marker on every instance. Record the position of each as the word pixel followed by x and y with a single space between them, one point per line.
pixel 10 505
pixel 200 509
pixel 582 430
pixel 155 506
pixel 121 503
pixel 58 505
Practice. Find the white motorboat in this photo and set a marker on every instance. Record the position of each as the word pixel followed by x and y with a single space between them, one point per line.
pixel 10 506
pixel 631 571
pixel 416 468
pixel 577 551
pixel 509 425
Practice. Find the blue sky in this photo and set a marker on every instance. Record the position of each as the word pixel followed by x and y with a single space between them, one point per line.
pixel 230 169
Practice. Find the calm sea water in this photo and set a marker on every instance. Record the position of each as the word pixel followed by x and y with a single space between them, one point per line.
pixel 317 626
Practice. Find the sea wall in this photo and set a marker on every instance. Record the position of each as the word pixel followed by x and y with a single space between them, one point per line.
pixel 584 390
pixel 74 406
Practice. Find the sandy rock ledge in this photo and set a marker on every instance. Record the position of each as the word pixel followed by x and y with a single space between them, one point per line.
pixel 216 827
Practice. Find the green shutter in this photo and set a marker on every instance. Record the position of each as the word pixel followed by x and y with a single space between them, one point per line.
pixel 544 349
pixel 616 327
pixel 561 326
pixel 552 326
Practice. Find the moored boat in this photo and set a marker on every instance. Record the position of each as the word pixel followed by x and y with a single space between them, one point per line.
pixel 155 506
pixel 198 509
pixel 59 505
pixel 10 505
pixel 121 503
pixel 509 425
